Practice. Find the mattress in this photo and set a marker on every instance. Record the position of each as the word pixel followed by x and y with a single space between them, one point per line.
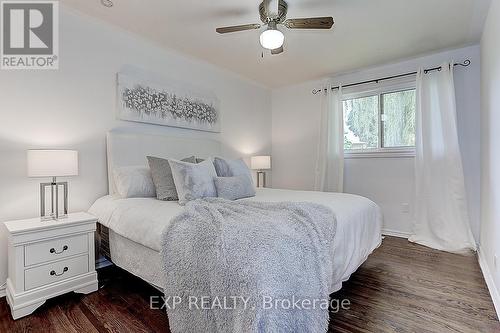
pixel 136 225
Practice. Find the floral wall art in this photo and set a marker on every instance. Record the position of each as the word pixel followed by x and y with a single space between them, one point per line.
pixel 167 103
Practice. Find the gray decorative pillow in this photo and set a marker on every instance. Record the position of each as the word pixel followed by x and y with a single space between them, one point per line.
pixel 233 188
pixel 199 160
pixel 193 181
pixel 221 167
pixel 232 168
pixel 162 177
pixel 239 168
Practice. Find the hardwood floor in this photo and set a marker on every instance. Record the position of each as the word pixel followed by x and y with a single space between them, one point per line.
pixel 401 288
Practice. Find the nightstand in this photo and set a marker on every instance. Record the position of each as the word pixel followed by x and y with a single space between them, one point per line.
pixel 49 258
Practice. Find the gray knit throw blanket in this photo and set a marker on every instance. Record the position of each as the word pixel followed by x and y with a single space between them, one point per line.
pixel 248 267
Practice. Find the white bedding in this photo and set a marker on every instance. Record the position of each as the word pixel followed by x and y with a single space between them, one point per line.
pixel 359 223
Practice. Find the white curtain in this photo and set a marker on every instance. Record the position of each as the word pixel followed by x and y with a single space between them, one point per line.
pixel 442 220
pixel 330 157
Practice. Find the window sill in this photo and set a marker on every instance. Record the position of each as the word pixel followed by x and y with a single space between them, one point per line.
pixel 384 153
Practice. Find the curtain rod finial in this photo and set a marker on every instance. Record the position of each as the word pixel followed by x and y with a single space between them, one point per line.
pixel 466 63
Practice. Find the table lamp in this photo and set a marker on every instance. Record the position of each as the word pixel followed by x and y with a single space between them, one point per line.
pixel 260 163
pixel 53 163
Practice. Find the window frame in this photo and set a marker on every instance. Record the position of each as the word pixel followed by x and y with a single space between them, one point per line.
pixel 379 90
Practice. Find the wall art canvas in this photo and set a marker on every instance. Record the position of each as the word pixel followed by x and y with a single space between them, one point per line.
pixel 167 103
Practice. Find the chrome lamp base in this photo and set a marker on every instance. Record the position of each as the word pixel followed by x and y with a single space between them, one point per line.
pixel 261 175
pixel 54 200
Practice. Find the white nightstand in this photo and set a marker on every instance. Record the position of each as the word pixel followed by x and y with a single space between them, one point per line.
pixel 49 258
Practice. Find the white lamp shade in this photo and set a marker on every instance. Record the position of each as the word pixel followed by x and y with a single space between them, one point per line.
pixel 272 39
pixel 260 162
pixel 52 163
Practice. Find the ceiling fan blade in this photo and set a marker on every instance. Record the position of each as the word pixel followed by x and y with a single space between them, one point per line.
pixel 277 51
pixel 236 28
pixel 309 23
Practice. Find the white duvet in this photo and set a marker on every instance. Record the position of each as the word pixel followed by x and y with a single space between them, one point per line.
pixel 359 223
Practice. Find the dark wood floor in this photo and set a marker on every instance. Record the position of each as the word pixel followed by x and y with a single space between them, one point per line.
pixel 401 288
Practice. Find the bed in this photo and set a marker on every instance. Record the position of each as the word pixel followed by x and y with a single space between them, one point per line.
pixel 135 224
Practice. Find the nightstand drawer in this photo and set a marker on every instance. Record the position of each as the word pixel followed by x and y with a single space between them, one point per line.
pixel 54 272
pixel 55 249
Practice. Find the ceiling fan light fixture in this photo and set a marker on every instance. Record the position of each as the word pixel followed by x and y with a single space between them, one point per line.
pixel 274 13
pixel 272 39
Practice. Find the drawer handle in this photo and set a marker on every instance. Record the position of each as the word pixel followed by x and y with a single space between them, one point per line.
pixel 52 250
pixel 65 269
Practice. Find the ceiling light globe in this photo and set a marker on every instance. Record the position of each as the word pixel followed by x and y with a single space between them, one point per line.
pixel 272 39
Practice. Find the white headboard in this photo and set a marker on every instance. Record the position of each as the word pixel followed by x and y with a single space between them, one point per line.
pixel 128 148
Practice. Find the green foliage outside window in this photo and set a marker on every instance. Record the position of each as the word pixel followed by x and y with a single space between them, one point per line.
pixel 399 122
pixel 361 121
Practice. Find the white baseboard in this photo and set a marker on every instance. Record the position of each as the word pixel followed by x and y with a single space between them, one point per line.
pixel 495 295
pixel 2 291
pixel 394 233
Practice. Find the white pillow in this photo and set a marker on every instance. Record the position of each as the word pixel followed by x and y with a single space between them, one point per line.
pixel 193 181
pixel 134 182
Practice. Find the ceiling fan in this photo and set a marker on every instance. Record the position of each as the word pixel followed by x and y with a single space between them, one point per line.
pixel 272 14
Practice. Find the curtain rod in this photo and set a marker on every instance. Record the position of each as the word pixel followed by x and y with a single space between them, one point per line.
pixel 466 63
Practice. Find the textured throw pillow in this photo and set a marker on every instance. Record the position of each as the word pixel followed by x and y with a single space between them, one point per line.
pixel 221 167
pixel 233 188
pixel 239 168
pixel 162 177
pixel 134 182
pixel 232 168
pixel 199 160
pixel 193 181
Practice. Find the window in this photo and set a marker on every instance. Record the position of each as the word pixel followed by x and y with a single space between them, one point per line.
pixel 398 119
pixel 380 122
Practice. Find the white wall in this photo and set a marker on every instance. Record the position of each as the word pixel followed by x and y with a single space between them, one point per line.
pixel 490 151
pixel 388 182
pixel 74 106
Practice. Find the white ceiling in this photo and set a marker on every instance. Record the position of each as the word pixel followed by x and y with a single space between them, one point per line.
pixel 366 32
